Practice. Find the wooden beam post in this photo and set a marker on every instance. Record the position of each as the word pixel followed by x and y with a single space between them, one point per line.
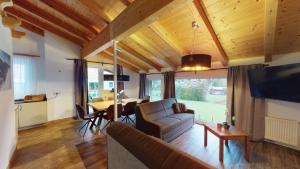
pixel 141 13
pixel 271 7
pixel 115 54
pixel 201 11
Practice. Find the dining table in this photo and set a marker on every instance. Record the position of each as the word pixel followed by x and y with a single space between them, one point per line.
pixel 101 107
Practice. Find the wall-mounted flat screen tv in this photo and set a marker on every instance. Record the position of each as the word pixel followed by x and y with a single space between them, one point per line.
pixel 277 82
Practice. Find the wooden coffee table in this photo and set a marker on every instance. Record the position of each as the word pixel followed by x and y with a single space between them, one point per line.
pixel 224 135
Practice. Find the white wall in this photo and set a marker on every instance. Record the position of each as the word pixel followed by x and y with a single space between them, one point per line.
pixel 132 87
pixel 55 72
pixel 33 44
pixel 59 76
pixel 7 114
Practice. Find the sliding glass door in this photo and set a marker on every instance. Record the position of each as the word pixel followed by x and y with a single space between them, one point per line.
pixel 155 90
pixel 207 96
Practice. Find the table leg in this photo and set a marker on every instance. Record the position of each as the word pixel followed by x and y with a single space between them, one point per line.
pixel 221 147
pixel 205 136
pixel 246 153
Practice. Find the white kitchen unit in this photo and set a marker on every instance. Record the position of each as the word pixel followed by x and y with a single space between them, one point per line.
pixel 31 114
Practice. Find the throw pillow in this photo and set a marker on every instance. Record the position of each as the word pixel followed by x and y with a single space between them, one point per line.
pixel 179 107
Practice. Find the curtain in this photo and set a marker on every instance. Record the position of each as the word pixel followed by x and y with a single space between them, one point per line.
pixel 142 88
pixel 245 112
pixel 28 76
pixel 120 72
pixel 169 81
pixel 81 83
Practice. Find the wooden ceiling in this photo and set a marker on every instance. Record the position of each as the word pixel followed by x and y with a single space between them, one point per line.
pixel 228 30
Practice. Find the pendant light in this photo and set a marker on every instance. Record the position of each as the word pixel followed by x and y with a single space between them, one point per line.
pixel 195 62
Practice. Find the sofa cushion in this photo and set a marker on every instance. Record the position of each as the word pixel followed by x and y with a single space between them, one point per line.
pixel 168 105
pixel 179 107
pixel 153 111
pixel 182 116
pixel 166 124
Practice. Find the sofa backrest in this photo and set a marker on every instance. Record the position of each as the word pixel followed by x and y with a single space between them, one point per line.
pixel 156 110
pixel 152 111
pixel 129 148
pixel 168 105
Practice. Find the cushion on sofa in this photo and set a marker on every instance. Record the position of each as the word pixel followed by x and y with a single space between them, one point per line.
pixel 182 116
pixel 168 105
pixel 179 107
pixel 153 111
pixel 166 124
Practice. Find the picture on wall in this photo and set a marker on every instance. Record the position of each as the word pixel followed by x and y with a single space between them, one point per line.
pixel 5 71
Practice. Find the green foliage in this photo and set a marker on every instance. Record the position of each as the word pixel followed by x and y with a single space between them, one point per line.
pixel 195 89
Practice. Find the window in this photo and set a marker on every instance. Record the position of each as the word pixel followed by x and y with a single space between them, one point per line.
pixel 108 85
pixel 93 83
pixel 155 90
pixel 207 96
pixel 27 76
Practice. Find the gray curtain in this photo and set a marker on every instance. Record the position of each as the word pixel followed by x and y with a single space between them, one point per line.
pixel 244 112
pixel 142 89
pixel 81 83
pixel 169 81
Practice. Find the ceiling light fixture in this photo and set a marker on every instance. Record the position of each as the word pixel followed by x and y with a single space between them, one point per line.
pixel 195 62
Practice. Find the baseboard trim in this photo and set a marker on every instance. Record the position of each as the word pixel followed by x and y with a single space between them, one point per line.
pixel 12 158
pixel 282 144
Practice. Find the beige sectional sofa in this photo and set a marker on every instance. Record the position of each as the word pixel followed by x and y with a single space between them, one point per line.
pixel 160 120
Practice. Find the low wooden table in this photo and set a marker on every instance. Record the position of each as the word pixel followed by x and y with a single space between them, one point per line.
pixel 223 134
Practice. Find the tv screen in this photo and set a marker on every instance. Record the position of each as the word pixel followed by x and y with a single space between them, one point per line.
pixel 278 82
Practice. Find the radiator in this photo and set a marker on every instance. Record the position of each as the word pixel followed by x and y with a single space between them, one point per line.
pixel 282 130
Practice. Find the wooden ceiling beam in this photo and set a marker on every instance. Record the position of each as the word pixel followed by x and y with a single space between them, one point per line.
pixel 126 2
pixel 108 56
pixel 201 11
pixel 139 56
pixel 158 29
pixel 271 8
pixel 96 9
pixel 44 25
pixel 165 36
pixel 53 19
pixel 32 28
pixel 143 42
pixel 62 8
pixel 125 59
pixel 141 13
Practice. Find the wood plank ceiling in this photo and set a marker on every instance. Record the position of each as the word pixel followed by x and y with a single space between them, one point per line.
pixel 231 29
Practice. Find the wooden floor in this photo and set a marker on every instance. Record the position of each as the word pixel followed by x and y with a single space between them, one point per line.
pixel 58 145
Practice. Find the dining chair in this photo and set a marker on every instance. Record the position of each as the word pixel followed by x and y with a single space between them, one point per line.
pixel 110 114
pixel 129 109
pixel 87 118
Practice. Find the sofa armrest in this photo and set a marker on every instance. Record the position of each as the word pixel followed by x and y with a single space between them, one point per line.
pixel 190 111
pixel 146 126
